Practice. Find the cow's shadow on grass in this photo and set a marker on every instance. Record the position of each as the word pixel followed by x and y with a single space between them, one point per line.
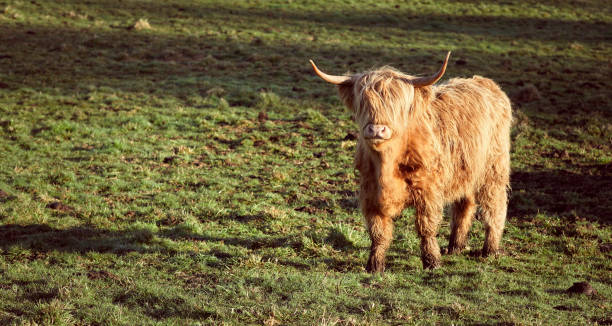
pixel 36 241
pixel 83 239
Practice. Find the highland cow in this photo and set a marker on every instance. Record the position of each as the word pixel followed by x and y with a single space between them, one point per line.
pixel 428 146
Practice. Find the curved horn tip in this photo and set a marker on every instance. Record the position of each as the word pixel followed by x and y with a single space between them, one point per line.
pixel 312 63
pixel 447 57
pixel 445 62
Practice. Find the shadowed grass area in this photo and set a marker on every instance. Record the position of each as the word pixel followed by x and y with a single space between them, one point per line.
pixel 196 171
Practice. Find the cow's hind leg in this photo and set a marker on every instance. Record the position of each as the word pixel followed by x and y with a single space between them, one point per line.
pixel 381 233
pixel 463 213
pixel 427 223
pixel 493 200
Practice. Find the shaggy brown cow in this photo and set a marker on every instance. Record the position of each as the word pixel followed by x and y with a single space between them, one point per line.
pixel 427 146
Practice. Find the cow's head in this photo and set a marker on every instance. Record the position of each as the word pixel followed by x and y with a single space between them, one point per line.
pixel 381 100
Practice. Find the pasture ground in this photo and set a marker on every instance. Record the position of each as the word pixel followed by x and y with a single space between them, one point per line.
pixel 177 162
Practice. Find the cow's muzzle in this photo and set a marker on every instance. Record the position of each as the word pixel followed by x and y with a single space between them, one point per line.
pixel 377 132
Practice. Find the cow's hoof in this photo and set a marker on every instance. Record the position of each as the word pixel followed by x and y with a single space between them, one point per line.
pixel 431 263
pixel 375 265
pixel 486 252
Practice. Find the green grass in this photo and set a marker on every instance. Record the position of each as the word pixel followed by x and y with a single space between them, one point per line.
pixel 198 171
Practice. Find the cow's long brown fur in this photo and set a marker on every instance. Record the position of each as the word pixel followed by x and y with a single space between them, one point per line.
pixel 450 145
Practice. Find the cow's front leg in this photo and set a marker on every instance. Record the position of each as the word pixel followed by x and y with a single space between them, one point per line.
pixel 380 228
pixel 427 224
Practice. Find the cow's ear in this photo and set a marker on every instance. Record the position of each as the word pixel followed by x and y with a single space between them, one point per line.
pixel 347 93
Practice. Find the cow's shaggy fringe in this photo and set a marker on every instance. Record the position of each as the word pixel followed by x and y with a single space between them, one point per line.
pixel 450 145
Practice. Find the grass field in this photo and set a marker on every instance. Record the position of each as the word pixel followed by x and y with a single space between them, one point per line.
pixel 177 162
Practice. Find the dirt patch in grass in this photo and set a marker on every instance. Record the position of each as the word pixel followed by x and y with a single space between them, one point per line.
pixel 5 196
pixel 581 288
pixel 101 274
pixel 59 206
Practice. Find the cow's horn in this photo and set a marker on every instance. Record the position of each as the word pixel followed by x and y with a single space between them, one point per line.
pixel 430 80
pixel 336 80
